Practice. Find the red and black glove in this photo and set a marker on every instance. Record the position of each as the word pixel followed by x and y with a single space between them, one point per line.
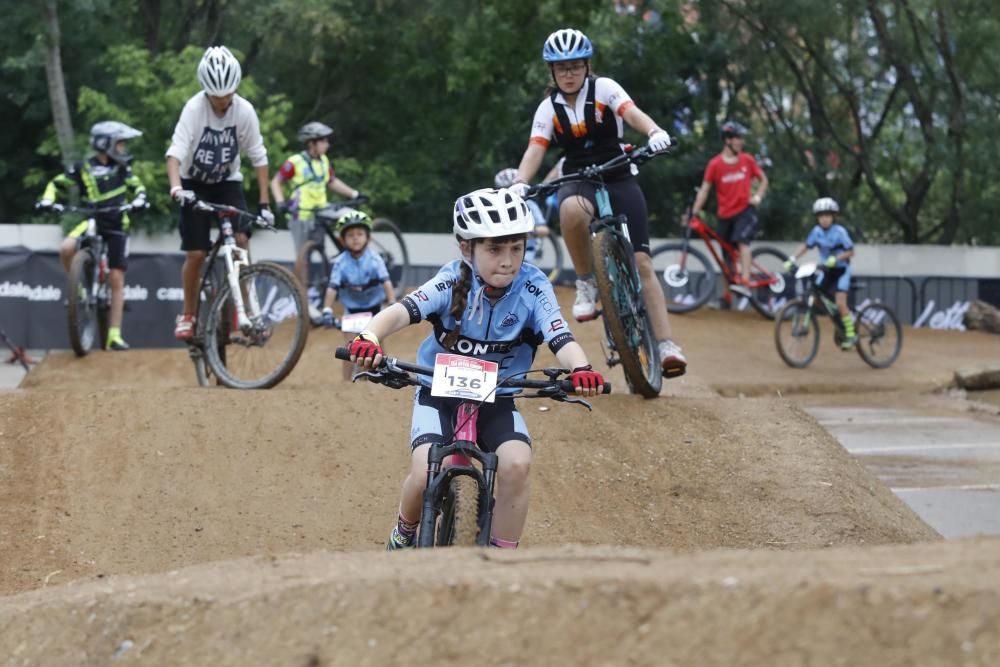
pixel 586 378
pixel 365 348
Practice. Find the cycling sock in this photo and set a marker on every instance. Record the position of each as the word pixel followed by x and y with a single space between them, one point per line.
pixel 848 321
pixel 503 544
pixel 589 278
pixel 406 528
pixel 114 333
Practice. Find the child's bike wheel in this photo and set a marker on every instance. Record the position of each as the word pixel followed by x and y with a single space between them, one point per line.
pixel 624 313
pixel 459 523
pixel 263 355
pixel 796 334
pixel 84 328
pixel 880 338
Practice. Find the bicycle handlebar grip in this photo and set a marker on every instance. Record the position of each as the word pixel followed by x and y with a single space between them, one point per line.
pixel 343 354
pixel 567 386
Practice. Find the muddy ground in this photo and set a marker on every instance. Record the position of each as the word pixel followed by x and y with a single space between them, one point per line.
pixel 150 520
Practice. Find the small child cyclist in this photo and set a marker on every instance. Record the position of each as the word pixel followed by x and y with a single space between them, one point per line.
pixel 359 277
pixel 491 298
pixel 835 252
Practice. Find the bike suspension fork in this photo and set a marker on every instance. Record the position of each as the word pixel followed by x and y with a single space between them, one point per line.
pixel 236 258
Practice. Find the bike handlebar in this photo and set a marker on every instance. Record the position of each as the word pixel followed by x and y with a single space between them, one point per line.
pixel 227 211
pixel 121 208
pixel 631 155
pixel 554 386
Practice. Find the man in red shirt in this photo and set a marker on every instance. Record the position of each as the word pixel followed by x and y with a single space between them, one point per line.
pixel 732 172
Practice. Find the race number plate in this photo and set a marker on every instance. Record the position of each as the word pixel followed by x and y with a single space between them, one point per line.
pixel 469 378
pixel 355 322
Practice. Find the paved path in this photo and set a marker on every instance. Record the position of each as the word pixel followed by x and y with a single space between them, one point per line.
pixel 946 468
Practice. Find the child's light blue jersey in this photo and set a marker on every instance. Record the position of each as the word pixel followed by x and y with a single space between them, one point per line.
pixel 507 332
pixel 359 281
pixel 832 241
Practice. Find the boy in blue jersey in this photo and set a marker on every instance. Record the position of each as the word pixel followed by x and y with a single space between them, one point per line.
pixel 359 277
pixel 835 252
pixel 490 305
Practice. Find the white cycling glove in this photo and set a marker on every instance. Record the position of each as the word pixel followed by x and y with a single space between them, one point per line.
pixel 265 214
pixel 659 140
pixel 520 189
pixel 183 197
pixel 140 201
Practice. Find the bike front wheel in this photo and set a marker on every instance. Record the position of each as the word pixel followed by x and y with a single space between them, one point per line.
pixel 686 276
pixel 625 317
pixel 768 287
pixel 388 243
pixel 880 338
pixel 796 334
pixel 459 523
pixel 260 355
pixel 81 304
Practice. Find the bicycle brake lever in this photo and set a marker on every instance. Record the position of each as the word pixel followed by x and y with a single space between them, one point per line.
pixel 566 398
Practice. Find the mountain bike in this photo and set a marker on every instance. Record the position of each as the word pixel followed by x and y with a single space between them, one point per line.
pixel 629 335
pixel 546 252
pixel 689 280
pixel 458 500
pixel 250 328
pixel 88 301
pixel 796 330
pixel 386 240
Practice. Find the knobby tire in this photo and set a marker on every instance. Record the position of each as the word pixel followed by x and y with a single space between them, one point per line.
pixel 791 322
pixel 84 324
pixel 625 316
pixel 880 338
pixel 459 523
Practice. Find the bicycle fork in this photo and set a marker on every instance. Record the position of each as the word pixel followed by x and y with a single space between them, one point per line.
pixel 446 462
pixel 236 258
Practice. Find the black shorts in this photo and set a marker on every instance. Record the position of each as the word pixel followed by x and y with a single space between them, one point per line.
pixel 196 226
pixel 741 228
pixel 626 198
pixel 496 423
pixel 115 241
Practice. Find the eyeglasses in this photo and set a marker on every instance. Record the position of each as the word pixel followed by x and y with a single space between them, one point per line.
pixel 562 70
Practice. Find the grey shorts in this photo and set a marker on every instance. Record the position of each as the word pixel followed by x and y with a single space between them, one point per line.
pixel 301 232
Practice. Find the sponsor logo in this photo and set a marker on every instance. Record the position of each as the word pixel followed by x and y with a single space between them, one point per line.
pixel 951 317
pixel 169 293
pixel 20 290
pixel 510 320
pixel 477 347
pixel 445 286
pixel 136 293
pixel 556 325
pixel 541 295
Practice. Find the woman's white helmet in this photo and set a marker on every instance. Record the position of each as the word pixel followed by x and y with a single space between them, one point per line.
pixel 219 72
pixel 489 213
pixel 825 205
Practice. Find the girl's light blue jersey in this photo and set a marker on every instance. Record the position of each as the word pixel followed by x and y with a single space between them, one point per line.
pixel 359 281
pixel 507 332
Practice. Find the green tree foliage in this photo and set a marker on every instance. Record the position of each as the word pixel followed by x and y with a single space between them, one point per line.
pixel 888 105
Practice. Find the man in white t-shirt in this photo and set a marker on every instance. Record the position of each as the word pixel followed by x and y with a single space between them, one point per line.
pixel 203 162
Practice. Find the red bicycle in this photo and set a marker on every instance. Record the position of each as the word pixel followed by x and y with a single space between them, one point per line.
pixel 689 280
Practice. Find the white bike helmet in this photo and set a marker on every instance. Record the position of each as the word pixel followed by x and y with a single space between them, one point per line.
pixel 825 205
pixel 505 178
pixel 488 213
pixel 219 72
pixel 567 44
pixel 105 135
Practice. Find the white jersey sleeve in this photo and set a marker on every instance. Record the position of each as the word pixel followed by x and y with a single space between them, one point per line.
pixel 250 139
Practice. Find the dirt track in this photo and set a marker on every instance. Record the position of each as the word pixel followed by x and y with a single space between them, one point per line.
pixel 166 476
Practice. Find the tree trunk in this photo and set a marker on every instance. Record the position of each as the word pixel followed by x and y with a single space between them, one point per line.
pixel 57 86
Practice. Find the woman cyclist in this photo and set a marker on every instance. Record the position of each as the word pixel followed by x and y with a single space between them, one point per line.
pixel 584 115
pixel 490 305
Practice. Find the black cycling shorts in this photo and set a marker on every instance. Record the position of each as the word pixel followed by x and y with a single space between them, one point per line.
pixel 196 226
pixel 626 198
pixel 741 228
pixel 115 240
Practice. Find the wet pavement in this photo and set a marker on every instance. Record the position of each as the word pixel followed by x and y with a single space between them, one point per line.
pixel 946 468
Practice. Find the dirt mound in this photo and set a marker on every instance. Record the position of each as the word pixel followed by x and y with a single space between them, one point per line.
pixel 116 465
pixel 924 605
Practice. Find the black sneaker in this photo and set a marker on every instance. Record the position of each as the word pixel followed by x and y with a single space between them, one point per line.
pixel 118 345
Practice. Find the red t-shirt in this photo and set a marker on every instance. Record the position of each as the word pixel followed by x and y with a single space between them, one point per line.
pixel 732 182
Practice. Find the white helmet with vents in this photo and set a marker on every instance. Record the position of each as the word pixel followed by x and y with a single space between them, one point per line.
pixel 825 205
pixel 219 72
pixel 489 213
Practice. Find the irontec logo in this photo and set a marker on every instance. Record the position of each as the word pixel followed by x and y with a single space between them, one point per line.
pixel 19 290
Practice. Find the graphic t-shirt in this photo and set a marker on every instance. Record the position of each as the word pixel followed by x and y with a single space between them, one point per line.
pixel 732 182
pixel 358 281
pixel 832 241
pixel 209 147
pixel 507 332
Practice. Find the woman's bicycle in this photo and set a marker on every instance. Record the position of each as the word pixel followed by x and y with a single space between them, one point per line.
pixel 88 302
pixel 689 280
pixel 250 328
pixel 630 340
pixel 458 500
pixel 386 240
pixel 796 330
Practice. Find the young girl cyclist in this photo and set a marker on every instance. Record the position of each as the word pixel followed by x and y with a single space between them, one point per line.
pixel 489 300
pixel 359 277
pixel 585 116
